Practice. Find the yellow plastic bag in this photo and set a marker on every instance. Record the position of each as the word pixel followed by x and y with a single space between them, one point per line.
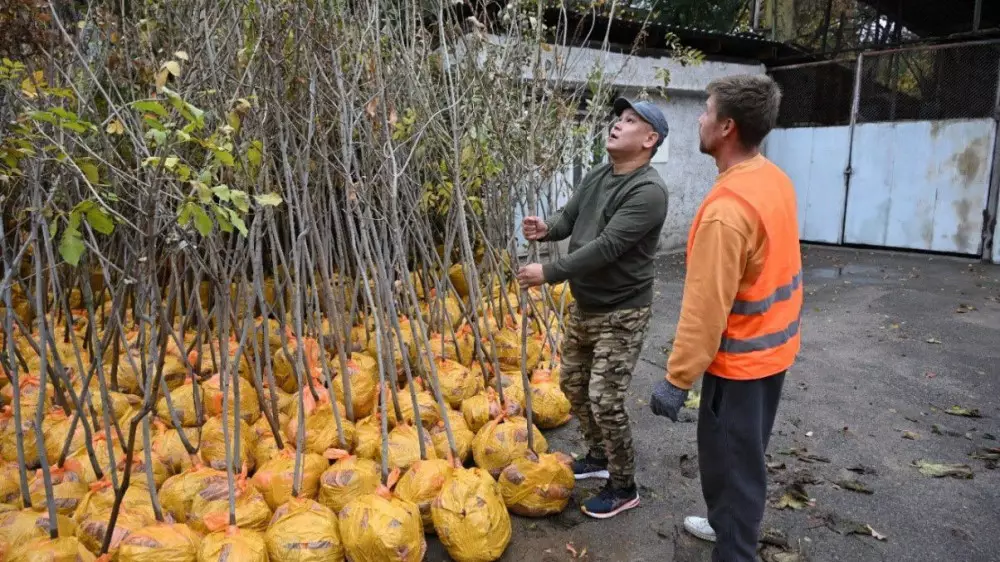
pixel 363 373
pixel 68 490
pixel 94 526
pixel 404 446
pixel 381 527
pixel 249 407
pixel 168 446
pixel 513 388
pixel 284 364
pixel 10 483
pixel 232 544
pixel 547 374
pixel 422 483
pixel 178 492
pixel 501 441
pixel 160 542
pixel 302 531
pixel 214 442
pixel 460 430
pixel 460 349
pixel 45 549
pixel 275 478
pixel 56 429
pixel 430 413
pixel 210 507
pixel 508 342
pixel 349 478
pixel 8 436
pixel 182 401
pixel 368 436
pixel 551 407
pixel 537 486
pixel 457 382
pixel 101 451
pixel 485 406
pixel 470 517
pixel 101 498
pixel 321 430
pixel 19 527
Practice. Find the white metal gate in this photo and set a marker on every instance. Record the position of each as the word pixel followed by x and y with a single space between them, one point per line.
pixel 909 162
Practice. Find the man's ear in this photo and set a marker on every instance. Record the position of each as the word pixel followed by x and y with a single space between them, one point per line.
pixel 651 139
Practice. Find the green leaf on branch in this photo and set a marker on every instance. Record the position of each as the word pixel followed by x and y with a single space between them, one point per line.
pixel 222 192
pixel 240 200
pixel 186 214
pixel 71 246
pixel 255 153
pixel 222 215
pixel 224 157
pixel 237 222
pixel 151 107
pixel 100 220
pixel 44 116
pixel 269 200
pixel 90 171
pixel 170 162
pixel 202 222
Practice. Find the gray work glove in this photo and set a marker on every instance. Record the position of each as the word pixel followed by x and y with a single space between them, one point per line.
pixel 667 399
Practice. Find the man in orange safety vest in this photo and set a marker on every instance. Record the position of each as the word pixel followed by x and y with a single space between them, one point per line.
pixel 739 321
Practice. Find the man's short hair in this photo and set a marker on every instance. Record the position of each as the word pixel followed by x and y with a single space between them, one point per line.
pixel 751 101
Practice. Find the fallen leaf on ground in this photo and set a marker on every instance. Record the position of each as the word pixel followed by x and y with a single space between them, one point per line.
pixel 689 466
pixel 964 412
pixel 572 551
pixel 693 401
pixel 774 537
pixel 855 486
pixel 933 340
pixel 911 435
pixel 861 469
pixel 963 308
pixel 938 470
pixel 986 454
pixel 867 530
pixel 929 375
pixel 943 430
pixel 805 456
pixel 794 497
pixel 772 466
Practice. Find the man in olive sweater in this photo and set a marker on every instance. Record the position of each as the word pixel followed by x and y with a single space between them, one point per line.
pixel 613 221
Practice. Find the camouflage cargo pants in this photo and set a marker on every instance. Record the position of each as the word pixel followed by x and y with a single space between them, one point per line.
pixel 599 353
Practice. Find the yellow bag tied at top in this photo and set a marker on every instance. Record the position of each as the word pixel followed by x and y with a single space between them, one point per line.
pixel 363 372
pixel 101 498
pixel 321 429
pixel 8 437
pixel 460 430
pixel 546 374
pixel 441 317
pixel 501 441
pixel 368 438
pixel 45 549
pixel 470 517
pixel 284 363
pixel 10 483
pixel 168 446
pixel 551 407
pixel 233 544
pixel 422 483
pixel 275 478
pixel 457 382
pixel 461 348
pixel 249 406
pixel 210 507
pixel 182 401
pixel 178 492
pixel 68 489
pixel 161 542
pixel 485 406
pixel 19 527
pixel 214 442
pixel 94 526
pixel 404 446
pixel 348 479
pixel 303 531
pixel 537 485
pixel 55 429
pixel 382 527
pixel 513 388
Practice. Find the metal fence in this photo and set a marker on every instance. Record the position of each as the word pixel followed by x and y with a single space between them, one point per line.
pixel 912 83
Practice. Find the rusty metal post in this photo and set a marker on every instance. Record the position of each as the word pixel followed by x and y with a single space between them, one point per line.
pixel 855 103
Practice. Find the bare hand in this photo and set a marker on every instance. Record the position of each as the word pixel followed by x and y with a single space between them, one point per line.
pixel 534 228
pixel 531 275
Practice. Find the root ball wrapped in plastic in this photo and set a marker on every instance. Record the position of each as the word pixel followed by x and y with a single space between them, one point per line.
pixel 321 430
pixel 167 445
pixel 178 492
pixel 303 530
pixel 513 388
pixel 552 374
pixel 485 406
pixel 537 485
pixel 551 407
pixel 363 372
pixel 19 527
pixel 461 348
pixel 210 507
pixel 460 430
pixel 382 527
pixel 249 406
pixel 368 437
pixel 276 478
pixel 422 483
pixel 347 479
pixel 68 489
pixel 56 429
pixel 10 483
pixel 101 498
pixel 45 549
pixel 404 446
pixel 470 517
pixel 501 441
pixel 508 342
pixel 92 529
pixel 8 438
pixel 182 401
pixel 232 544
pixel 285 363
pixel 457 382
pixel 214 442
pixel 102 451
pixel 160 542
pixel 430 413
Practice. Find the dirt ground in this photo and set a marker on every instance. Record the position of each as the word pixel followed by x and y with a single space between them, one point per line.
pixel 890 341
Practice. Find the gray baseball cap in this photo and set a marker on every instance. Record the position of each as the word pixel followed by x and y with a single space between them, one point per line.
pixel 649 113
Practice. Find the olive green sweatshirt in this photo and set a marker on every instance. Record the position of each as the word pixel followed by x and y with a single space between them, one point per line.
pixel 613 223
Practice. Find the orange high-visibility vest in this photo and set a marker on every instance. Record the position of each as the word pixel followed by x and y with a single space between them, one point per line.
pixel 762 331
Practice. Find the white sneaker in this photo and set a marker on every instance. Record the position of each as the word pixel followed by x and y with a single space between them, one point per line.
pixel 699 527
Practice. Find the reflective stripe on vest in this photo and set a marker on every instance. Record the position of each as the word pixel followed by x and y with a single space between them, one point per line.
pixel 760 343
pixel 782 293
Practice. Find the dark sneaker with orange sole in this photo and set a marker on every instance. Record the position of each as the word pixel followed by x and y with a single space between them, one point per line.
pixel 590 467
pixel 611 501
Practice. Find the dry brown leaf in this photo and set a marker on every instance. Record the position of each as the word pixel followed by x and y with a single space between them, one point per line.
pixel 912 436
pixel 940 470
pixel 964 412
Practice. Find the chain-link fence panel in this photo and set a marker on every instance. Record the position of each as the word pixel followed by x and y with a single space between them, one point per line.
pixel 929 83
pixel 815 95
